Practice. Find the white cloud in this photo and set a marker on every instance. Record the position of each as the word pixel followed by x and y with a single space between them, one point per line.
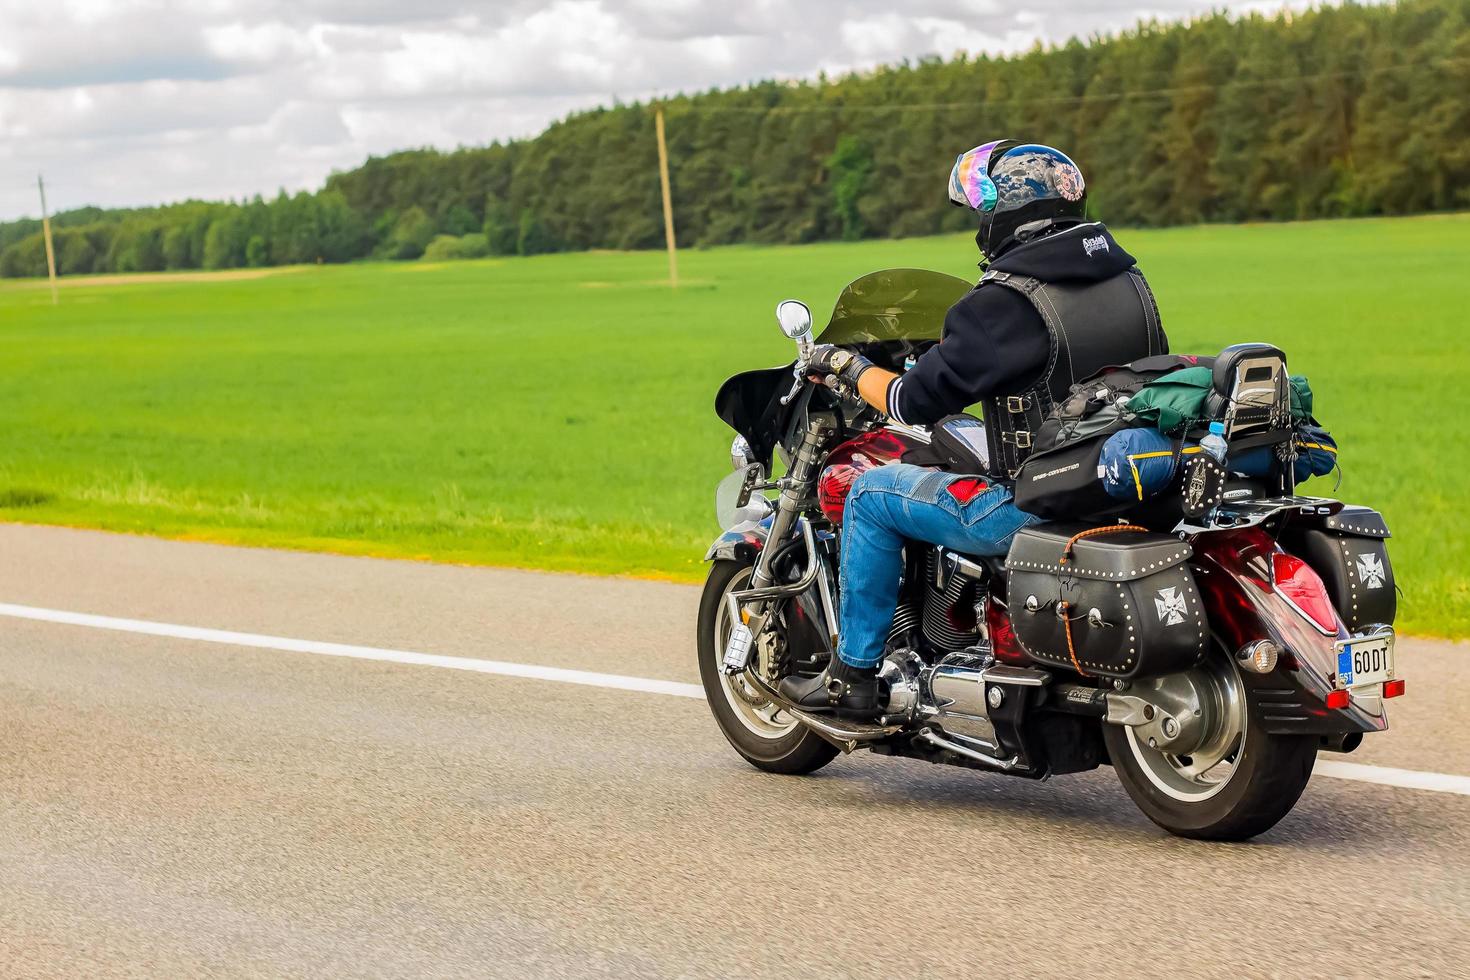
pixel 142 101
pixel 259 44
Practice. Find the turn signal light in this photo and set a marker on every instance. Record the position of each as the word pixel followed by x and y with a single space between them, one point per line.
pixel 1392 689
pixel 1337 700
pixel 1260 656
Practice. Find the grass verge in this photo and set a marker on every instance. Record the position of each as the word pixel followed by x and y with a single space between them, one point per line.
pixel 554 412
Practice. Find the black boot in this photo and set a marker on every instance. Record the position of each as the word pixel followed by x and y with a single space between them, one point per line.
pixel 849 691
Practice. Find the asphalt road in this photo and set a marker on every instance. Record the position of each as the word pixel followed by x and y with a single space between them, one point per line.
pixel 171 807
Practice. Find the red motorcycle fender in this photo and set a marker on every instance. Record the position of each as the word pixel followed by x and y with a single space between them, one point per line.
pixel 1234 572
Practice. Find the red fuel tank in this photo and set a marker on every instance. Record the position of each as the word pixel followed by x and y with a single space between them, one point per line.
pixel 853 458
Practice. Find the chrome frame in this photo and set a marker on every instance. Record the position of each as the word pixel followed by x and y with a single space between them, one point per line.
pixel 829 597
pixel 1271 395
pixel 737 600
pixel 940 742
pixel 918 433
pixel 1249 513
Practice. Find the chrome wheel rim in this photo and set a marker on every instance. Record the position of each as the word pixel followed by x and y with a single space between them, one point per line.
pixel 755 712
pixel 1214 693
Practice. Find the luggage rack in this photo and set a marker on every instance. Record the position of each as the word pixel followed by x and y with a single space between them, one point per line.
pixel 1249 513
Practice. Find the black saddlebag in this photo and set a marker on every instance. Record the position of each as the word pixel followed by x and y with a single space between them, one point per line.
pixel 1350 552
pixel 1127 596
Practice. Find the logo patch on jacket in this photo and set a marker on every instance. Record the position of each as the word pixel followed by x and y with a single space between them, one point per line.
pixel 1098 243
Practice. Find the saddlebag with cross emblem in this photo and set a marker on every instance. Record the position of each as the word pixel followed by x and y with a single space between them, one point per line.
pixel 1350 551
pixel 1109 601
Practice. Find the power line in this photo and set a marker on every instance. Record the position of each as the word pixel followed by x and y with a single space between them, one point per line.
pixel 1281 80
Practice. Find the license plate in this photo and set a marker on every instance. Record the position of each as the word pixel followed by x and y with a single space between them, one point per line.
pixel 1364 660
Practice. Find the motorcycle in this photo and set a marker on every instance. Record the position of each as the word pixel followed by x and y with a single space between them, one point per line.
pixel 1206 653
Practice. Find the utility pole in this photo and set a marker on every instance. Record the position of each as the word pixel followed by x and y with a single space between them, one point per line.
pixel 46 233
pixel 663 176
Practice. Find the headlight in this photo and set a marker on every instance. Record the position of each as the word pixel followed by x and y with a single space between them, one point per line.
pixel 741 455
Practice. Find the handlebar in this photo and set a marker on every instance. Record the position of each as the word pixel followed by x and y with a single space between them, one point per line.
pixel 840 388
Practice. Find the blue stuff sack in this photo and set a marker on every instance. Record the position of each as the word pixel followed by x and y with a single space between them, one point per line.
pixel 1137 464
pixel 1317 456
pixel 1318 448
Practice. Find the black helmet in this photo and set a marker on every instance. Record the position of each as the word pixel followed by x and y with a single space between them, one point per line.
pixel 1016 187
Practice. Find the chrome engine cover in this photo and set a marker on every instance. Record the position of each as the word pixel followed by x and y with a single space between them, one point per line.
pixel 948 695
pixel 952 696
pixel 900 673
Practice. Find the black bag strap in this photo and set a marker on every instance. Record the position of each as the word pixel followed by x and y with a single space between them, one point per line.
pixel 1033 289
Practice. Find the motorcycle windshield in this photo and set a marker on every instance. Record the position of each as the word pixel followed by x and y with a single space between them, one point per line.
pixel 894 304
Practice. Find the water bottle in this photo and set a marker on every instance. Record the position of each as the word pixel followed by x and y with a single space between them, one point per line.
pixel 1214 444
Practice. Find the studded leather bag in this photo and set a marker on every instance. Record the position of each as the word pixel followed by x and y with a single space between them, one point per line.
pixel 1113 601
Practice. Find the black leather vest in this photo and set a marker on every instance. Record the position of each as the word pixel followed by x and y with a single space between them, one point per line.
pixel 1092 325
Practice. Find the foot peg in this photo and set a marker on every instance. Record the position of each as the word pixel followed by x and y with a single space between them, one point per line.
pixel 841 732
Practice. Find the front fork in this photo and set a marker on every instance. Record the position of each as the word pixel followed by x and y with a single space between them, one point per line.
pixel 751 609
pixel 796 496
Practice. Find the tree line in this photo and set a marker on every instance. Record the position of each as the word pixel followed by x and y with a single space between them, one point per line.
pixel 1339 111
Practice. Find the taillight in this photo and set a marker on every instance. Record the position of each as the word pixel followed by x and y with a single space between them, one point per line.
pixel 1296 582
pixel 1393 688
pixel 1337 700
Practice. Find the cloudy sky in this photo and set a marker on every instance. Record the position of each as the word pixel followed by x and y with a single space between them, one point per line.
pixel 125 102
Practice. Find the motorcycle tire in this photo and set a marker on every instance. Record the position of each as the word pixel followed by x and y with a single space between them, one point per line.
pixel 1269 774
pixel 796 751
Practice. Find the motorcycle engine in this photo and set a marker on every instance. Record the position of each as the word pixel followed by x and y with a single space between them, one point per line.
pixel 949 622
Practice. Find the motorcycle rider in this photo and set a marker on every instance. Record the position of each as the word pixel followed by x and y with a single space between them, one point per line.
pixel 1059 300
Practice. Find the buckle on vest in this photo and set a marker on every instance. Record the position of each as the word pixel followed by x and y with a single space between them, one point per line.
pixel 1016 404
pixel 1021 440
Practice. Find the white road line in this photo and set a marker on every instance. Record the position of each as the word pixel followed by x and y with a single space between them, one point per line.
pixel 1402 778
pixel 260 641
pixel 1439 782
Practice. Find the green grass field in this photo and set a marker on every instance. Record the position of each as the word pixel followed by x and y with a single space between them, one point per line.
pixel 554 412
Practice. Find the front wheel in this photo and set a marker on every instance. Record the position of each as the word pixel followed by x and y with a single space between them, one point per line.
pixel 1232 780
pixel 767 737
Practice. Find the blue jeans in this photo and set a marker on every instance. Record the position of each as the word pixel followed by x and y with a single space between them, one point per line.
pixel 889 505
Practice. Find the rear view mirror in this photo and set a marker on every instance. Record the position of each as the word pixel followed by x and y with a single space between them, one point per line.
pixel 795 319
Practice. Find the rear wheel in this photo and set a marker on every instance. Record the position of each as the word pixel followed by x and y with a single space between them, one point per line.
pixel 1221 776
pixel 766 736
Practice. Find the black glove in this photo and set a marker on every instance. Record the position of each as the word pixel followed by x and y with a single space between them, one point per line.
pixel 831 359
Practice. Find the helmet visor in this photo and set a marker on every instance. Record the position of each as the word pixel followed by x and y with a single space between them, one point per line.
pixel 969 182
